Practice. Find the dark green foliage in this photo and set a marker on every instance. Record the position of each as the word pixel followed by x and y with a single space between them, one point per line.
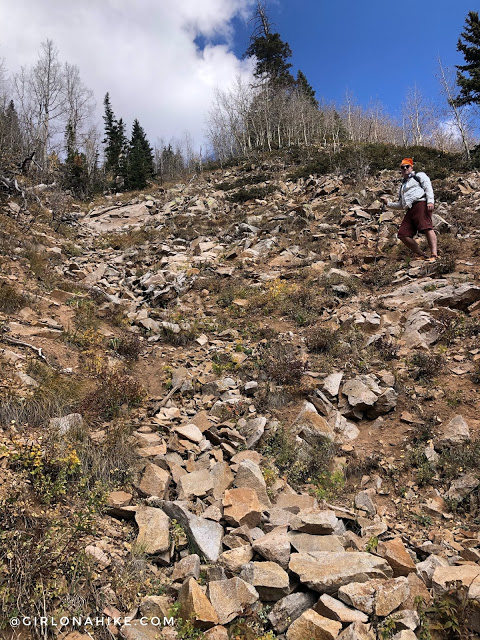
pixel 242 182
pixel 272 54
pixel 255 193
pixel 470 48
pixel 11 138
pixel 270 51
pixel 451 612
pixel 305 89
pixel 75 175
pixel 140 159
pixel 115 141
pixel 437 164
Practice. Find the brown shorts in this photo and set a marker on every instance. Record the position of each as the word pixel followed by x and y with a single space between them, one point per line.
pixel 418 218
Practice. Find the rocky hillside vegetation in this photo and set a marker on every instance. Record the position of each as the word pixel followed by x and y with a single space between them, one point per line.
pixel 238 405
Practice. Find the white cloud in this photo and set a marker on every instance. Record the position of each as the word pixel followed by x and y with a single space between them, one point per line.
pixel 143 53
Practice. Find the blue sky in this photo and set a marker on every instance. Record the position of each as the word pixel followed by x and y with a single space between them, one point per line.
pixel 376 49
pixel 163 60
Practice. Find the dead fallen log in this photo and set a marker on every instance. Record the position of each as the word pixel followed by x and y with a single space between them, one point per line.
pixel 37 350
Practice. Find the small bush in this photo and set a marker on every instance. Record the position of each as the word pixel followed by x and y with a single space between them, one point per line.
pixel 452 325
pixel 255 193
pixel 49 469
pixel 182 333
pixel 305 304
pixel 128 239
pixel 128 346
pixel 111 463
pixel 423 469
pixel 298 466
pixel 426 365
pixel 464 456
pixel 444 264
pixel 320 339
pixel 116 391
pixel 86 313
pixel 242 182
pixel 386 348
pixel 380 275
pixel 10 299
pixel 282 364
pixel 37 552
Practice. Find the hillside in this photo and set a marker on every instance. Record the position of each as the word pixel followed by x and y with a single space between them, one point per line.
pixel 238 402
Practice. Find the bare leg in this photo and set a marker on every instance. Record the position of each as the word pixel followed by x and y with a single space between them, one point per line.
pixel 432 242
pixel 412 245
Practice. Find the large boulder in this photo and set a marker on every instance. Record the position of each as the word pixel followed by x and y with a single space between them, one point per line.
pixel 230 597
pixel 153 531
pixel 268 578
pixel 205 535
pixel 195 606
pixel 311 427
pixel 326 572
pixel 242 506
pixel 288 609
pixel 275 546
pixel 313 626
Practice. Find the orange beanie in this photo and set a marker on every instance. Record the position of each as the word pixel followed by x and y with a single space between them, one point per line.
pixel 407 161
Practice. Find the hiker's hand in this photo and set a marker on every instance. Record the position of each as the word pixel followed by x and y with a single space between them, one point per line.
pixel 384 200
pixel 430 206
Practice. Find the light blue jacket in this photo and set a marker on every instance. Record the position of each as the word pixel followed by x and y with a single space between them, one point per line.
pixel 411 192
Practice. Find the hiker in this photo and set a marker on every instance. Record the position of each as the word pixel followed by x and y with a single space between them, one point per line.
pixel 416 196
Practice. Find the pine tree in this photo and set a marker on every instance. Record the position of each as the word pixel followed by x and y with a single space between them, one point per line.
pixel 11 139
pixel 115 141
pixel 271 52
pixel 140 159
pixel 470 47
pixel 75 168
pixel 306 89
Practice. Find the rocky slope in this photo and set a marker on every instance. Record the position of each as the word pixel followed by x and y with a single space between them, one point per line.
pixel 260 411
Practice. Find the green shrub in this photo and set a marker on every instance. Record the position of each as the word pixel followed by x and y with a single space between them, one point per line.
pixel 255 193
pixel 379 156
pixel 298 466
pixel 426 365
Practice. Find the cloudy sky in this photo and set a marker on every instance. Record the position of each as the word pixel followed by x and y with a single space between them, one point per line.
pixel 144 53
pixel 160 60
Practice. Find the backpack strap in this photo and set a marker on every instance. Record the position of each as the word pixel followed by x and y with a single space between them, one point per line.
pixel 415 177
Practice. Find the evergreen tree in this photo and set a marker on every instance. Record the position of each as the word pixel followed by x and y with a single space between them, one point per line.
pixel 271 52
pixel 470 47
pixel 115 141
pixel 11 139
pixel 305 89
pixel 140 159
pixel 75 168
